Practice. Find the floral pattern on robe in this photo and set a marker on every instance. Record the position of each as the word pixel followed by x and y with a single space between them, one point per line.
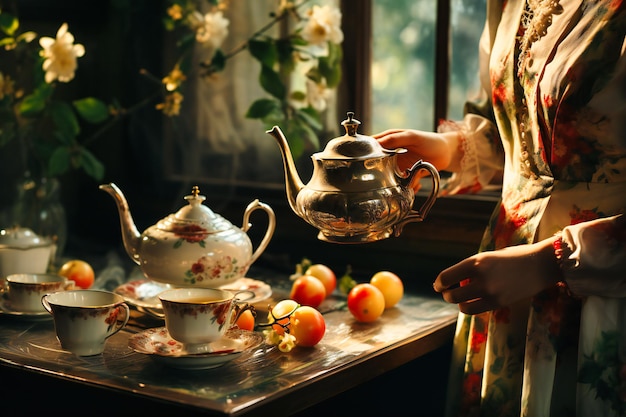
pixel 559 130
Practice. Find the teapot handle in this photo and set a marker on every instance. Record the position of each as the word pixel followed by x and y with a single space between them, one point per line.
pixel 269 232
pixel 419 215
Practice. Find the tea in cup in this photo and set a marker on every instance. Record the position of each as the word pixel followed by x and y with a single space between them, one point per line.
pixel 198 316
pixel 25 290
pixel 84 319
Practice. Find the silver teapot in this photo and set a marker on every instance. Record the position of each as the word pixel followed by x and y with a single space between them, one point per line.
pixel 356 193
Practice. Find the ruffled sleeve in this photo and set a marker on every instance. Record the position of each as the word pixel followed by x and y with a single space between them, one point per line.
pixel 482 161
pixel 594 257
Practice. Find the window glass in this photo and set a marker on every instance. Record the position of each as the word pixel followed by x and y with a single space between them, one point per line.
pixel 466 21
pixel 403 61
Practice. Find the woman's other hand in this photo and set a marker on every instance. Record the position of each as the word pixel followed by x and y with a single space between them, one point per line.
pixel 490 280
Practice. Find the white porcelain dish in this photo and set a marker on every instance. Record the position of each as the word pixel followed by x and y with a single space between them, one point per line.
pixel 157 343
pixel 7 310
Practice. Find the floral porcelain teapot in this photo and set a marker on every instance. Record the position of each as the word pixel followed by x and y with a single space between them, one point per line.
pixel 356 193
pixel 193 247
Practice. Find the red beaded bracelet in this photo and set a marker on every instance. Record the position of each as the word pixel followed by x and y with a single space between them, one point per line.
pixel 557 244
pixel 558 248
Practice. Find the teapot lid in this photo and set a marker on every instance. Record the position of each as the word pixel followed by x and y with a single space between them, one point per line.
pixel 354 145
pixel 21 237
pixel 194 218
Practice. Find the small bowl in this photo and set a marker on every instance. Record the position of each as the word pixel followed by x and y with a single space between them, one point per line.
pixel 22 251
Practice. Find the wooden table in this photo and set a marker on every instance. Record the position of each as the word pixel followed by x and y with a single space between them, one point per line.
pixel 263 381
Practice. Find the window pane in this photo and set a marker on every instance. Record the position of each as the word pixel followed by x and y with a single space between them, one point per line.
pixel 467 21
pixel 403 66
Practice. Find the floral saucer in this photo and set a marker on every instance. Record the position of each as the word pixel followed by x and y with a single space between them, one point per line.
pixel 7 309
pixel 157 343
pixel 143 293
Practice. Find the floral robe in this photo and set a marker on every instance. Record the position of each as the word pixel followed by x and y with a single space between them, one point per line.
pixel 558 125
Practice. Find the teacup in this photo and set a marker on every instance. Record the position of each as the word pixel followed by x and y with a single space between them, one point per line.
pixel 84 319
pixel 198 316
pixel 25 290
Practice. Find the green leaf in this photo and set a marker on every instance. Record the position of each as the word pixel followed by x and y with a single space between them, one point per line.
pixel 7 128
pixel 218 62
pixel 186 42
pixel 298 95
pixel 590 372
pixel 311 117
pixel 9 23
pixel 346 282
pixel 310 135
pixel 285 55
pixel 91 109
pixel 314 74
pixel 33 104
pixel 271 82
pixel 330 67
pixel 262 108
pixel 64 119
pixel 264 51
pixel 92 166
pixel 59 161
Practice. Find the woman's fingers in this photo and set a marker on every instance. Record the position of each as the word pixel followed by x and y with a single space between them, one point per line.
pixel 454 275
pixel 463 294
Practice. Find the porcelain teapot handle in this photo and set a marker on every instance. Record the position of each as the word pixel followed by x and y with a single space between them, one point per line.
pixel 419 215
pixel 269 232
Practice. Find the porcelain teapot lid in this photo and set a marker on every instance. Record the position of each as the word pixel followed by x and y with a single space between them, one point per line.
pixel 354 145
pixel 21 238
pixel 194 217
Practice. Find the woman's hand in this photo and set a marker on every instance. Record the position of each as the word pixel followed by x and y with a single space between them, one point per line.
pixel 490 280
pixel 438 149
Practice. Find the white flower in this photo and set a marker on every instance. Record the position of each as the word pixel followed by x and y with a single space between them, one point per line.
pixel 317 94
pixel 211 29
pixel 60 55
pixel 288 342
pixel 324 25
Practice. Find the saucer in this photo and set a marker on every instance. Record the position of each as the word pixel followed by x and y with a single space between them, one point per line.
pixel 7 309
pixel 144 293
pixel 157 343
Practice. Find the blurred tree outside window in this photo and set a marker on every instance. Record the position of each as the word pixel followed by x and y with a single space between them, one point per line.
pixel 403 63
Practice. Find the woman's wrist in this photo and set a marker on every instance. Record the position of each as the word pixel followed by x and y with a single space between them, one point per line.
pixel 550 256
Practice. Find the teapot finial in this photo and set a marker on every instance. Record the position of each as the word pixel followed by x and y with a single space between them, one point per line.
pixel 351 124
pixel 195 198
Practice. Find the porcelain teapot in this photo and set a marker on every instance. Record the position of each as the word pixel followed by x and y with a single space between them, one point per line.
pixel 356 193
pixel 22 250
pixel 193 247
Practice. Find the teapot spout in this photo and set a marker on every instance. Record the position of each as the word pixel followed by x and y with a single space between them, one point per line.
pixel 293 183
pixel 130 235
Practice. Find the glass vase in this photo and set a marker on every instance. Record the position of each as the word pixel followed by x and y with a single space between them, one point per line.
pixel 38 207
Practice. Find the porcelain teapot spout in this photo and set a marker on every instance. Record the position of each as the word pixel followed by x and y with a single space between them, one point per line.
pixel 356 193
pixel 194 246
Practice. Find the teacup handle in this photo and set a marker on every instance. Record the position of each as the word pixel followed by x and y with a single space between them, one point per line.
pixel 69 284
pixel 45 303
pixel 241 306
pixel 119 324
